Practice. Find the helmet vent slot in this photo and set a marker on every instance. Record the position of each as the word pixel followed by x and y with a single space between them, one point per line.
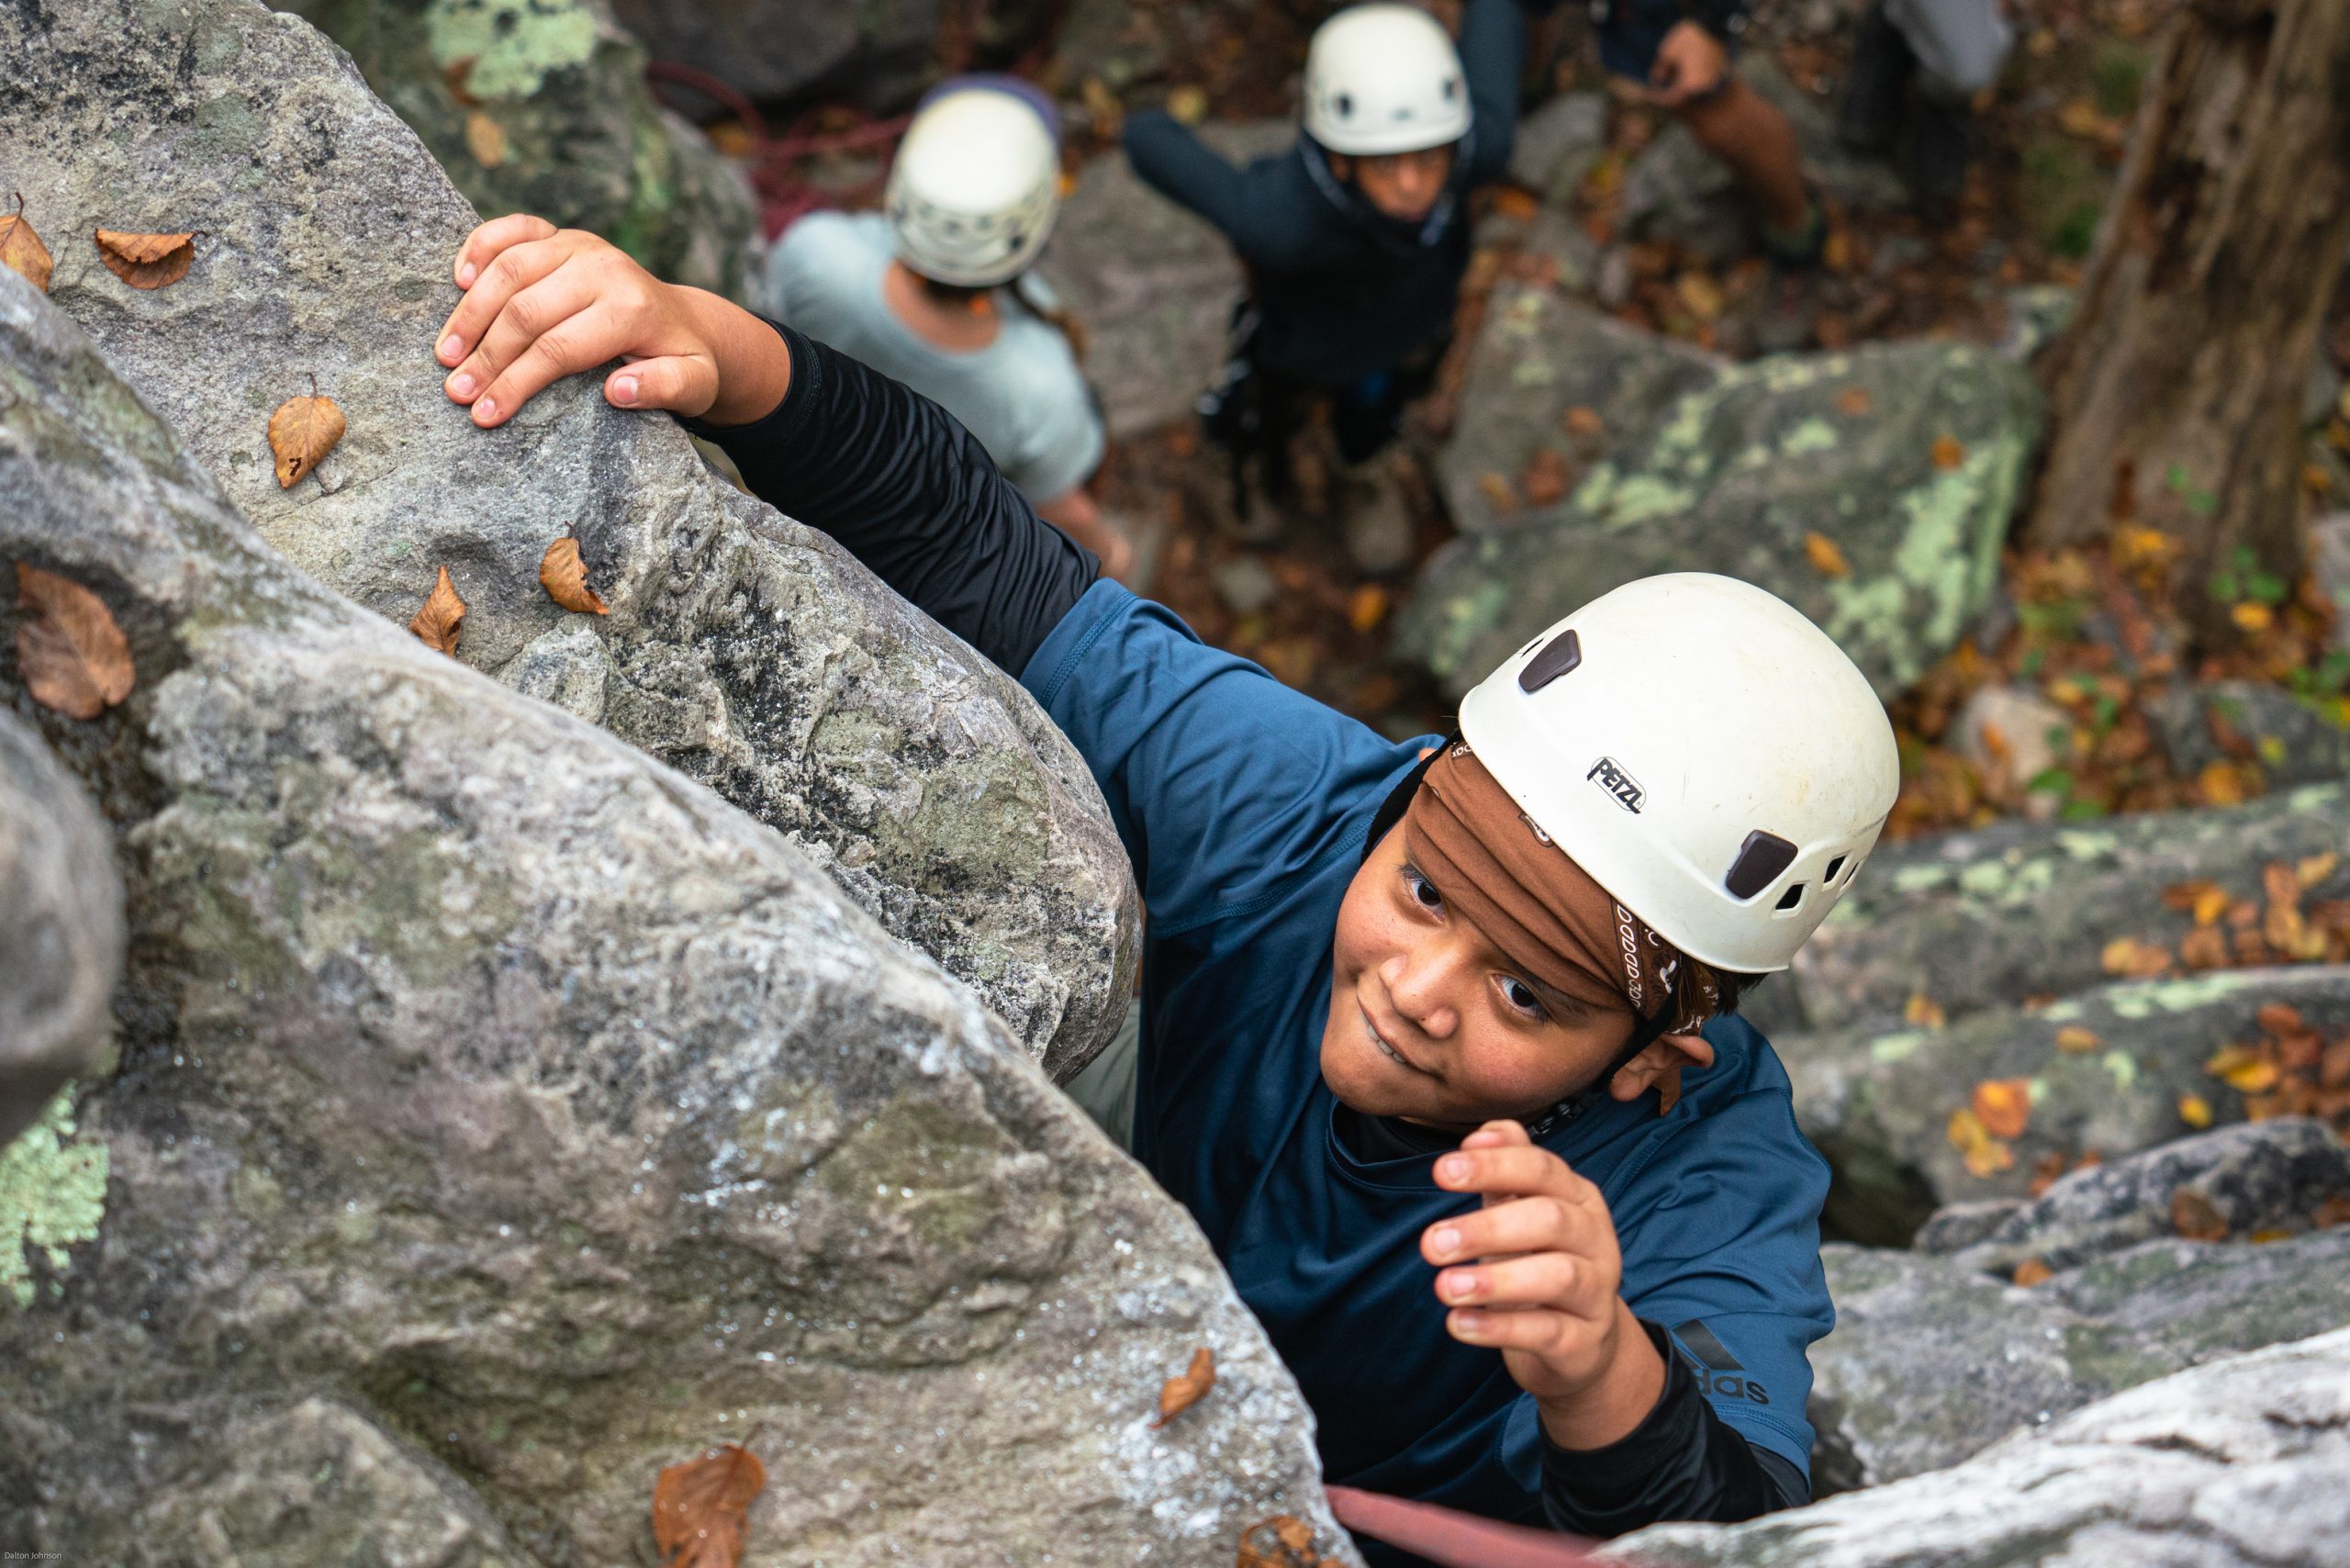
pixel 1563 655
pixel 1792 897
pixel 1760 860
pixel 1828 878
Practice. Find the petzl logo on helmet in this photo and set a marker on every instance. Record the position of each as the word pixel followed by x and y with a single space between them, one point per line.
pixel 1609 775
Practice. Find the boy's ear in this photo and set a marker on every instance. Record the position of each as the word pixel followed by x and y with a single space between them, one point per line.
pixel 1667 1054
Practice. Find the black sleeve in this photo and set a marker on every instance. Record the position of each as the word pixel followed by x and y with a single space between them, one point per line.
pixel 911 493
pixel 1682 1462
pixel 1176 163
pixel 1492 54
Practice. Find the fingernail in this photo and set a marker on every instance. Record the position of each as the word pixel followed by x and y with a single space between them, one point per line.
pixel 450 347
pixel 1460 1287
pixel 1446 1242
pixel 462 383
pixel 1469 1324
pixel 485 412
pixel 1451 1168
pixel 625 389
pixel 465 276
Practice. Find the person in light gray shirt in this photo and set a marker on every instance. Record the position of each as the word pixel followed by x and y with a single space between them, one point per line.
pixel 931 292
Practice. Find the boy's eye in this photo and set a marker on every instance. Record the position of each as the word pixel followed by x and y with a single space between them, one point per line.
pixel 1424 890
pixel 1521 996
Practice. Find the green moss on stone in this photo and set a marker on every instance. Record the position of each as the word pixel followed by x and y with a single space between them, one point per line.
pixel 514 44
pixel 1812 435
pixel 52 1197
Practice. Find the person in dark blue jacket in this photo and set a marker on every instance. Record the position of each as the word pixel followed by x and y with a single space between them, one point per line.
pixel 1438 1042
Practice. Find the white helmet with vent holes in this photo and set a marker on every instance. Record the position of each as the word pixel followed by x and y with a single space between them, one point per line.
pixel 1384 78
pixel 1708 756
pixel 975 188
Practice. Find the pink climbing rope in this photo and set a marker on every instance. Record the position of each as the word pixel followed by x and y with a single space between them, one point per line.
pixel 1451 1539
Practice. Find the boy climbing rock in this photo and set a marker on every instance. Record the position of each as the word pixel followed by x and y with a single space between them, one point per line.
pixel 1355 239
pixel 1439 1044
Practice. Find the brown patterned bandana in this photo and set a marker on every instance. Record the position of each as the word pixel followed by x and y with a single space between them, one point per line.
pixel 1497 870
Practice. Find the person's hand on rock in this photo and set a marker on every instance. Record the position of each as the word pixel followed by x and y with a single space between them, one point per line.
pixel 1691 64
pixel 1537 1274
pixel 542 303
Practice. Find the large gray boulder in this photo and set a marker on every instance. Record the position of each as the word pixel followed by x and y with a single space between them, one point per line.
pixel 2236 1464
pixel 486 1076
pixel 744 650
pixel 541 105
pixel 1153 285
pixel 61 932
pixel 1987 916
pixel 2293 739
pixel 1905 458
pixel 1935 1357
pixel 1880 1105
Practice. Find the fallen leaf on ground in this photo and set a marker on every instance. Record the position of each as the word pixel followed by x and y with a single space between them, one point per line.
pixel 2196 1217
pixel 457 76
pixel 1948 453
pixel 1278 1542
pixel 146 260
pixel 2128 956
pixel 2195 1111
pixel 2205 947
pixel 1584 421
pixel 486 139
pixel 1825 558
pixel 302 430
pixel 2333 1212
pixel 1855 401
pixel 1544 479
pixel 436 624
pixel 2252 616
pixel 1181 1393
pixel 2279 1018
pixel 2316 868
pixel 71 656
pixel 564 577
pixel 1921 1011
pixel 1188 105
pixel 1511 202
pixel 698 1507
pixel 2003 1105
pixel 1367 608
pixel 1700 294
pixel 1985 1155
pixel 2032 1272
pixel 22 250
pixel 2073 1040
pixel 1497 493
pixel 2273 1233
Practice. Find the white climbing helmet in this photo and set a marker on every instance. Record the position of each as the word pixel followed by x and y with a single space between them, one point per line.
pixel 1384 78
pixel 973 192
pixel 1709 756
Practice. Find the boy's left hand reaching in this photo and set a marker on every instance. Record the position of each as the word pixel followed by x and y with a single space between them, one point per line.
pixel 1537 1274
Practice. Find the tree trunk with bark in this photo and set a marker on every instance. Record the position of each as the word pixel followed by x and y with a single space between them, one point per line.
pixel 2176 395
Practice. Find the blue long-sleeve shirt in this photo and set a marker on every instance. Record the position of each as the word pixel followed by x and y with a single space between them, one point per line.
pixel 1246 807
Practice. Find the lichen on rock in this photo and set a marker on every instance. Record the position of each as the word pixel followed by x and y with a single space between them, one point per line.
pixel 52 1197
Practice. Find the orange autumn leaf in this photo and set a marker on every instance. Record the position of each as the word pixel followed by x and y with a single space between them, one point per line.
pixel 301 432
pixel 2205 947
pixel 1278 1542
pixel 2003 1105
pixel 2196 1217
pixel 2073 1040
pixel 1855 401
pixel 1921 1011
pixel 1825 557
pixel 1985 1155
pixel 71 656
pixel 1584 421
pixel 2279 1018
pixel 1513 203
pixel 146 260
pixel 1181 1394
pixel 1497 493
pixel 1947 452
pixel 486 139
pixel 436 624
pixel 1544 479
pixel 564 577
pixel 2209 904
pixel 2032 1272
pixel 2316 868
pixel 2195 1111
pixel 22 250
pixel 2128 958
pixel 1367 606
pixel 2335 1210
pixel 699 1508
pixel 2253 617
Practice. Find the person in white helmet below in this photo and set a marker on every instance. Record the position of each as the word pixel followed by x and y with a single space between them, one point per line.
pixel 935 291
pixel 1355 240
pixel 1438 1040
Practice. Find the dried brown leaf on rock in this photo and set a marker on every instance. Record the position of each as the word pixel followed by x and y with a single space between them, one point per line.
pixel 22 250
pixel 485 139
pixel 71 656
pixel 1584 421
pixel 2073 1040
pixel 564 577
pixel 1921 1011
pixel 146 260
pixel 1181 1393
pixel 1985 1156
pixel 2195 1111
pixel 301 432
pixel 1278 1542
pixel 436 624
pixel 2335 1210
pixel 2003 1105
pixel 2128 958
pixel 2196 1217
pixel 699 1508
pixel 1367 606
pixel 1497 493
pixel 1947 452
pixel 1544 479
pixel 2032 1272
pixel 1855 401
pixel 2280 1018
pixel 1825 556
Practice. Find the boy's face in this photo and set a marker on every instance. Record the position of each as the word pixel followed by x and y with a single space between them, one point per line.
pixel 1476 1037
pixel 1404 185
